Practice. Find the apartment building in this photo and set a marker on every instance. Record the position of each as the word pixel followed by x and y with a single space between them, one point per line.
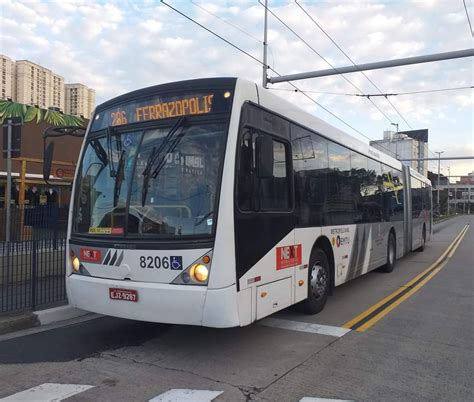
pixel 29 83
pixel 37 85
pixel 80 100
pixel 7 80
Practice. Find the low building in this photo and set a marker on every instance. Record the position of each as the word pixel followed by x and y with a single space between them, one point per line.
pixel 30 163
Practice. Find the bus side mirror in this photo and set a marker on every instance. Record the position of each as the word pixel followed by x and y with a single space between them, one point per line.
pixel 47 160
pixel 264 156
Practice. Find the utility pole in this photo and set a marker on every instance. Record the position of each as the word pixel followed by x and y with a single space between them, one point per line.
pixel 455 200
pixel 439 167
pixel 265 67
pixel 449 175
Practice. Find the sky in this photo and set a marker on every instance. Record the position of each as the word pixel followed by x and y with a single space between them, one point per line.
pixel 119 46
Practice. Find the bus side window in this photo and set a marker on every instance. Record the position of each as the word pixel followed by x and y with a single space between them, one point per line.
pixel 359 186
pixel 274 194
pixel 311 165
pixel 373 198
pixel 267 193
pixel 246 172
pixel 340 206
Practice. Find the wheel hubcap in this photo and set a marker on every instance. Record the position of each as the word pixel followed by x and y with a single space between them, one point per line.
pixel 318 280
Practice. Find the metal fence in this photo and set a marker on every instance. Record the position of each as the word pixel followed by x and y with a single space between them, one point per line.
pixel 32 263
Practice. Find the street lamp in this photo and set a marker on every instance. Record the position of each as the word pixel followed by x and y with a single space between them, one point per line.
pixel 396 140
pixel 439 165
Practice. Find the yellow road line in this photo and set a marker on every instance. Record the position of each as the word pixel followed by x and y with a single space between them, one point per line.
pixel 364 327
pixel 433 267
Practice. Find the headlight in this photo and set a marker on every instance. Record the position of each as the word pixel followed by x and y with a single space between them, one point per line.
pixel 76 264
pixel 196 273
pixel 199 273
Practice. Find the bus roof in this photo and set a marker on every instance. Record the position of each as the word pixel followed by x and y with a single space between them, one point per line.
pixel 286 109
pixel 196 84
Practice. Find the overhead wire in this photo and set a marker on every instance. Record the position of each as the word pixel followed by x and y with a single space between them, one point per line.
pixel 226 22
pixel 212 32
pixel 468 19
pixel 375 95
pixel 276 72
pixel 431 91
pixel 234 26
pixel 325 60
pixel 355 65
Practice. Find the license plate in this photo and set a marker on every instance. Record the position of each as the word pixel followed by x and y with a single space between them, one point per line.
pixel 123 294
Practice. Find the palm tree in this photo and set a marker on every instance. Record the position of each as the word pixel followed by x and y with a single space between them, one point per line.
pixel 9 109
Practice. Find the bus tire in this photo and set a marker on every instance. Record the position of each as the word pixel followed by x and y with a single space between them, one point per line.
pixel 423 240
pixel 391 254
pixel 319 281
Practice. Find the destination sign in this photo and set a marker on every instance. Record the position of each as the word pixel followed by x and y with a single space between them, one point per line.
pixel 158 107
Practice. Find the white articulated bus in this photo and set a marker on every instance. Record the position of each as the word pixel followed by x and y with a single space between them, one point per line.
pixel 214 202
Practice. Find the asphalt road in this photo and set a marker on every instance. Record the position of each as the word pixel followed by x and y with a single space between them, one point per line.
pixel 421 350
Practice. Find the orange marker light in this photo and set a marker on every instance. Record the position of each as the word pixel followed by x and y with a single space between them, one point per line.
pixel 206 259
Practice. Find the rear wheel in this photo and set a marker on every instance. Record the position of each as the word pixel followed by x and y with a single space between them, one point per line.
pixel 318 283
pixel 391 254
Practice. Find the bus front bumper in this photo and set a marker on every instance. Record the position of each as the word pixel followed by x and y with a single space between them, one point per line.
pixel 164 303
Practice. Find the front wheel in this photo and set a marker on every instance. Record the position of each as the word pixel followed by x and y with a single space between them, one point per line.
pixel 391 254
pixel 318 283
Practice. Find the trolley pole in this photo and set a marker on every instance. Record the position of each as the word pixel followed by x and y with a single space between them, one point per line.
pixel 439 166
pixel 265 67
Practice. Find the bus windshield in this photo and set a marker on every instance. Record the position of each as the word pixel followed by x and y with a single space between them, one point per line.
pixel 161 182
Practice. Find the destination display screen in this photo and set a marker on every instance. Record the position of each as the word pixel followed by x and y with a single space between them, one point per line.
pixel 163 107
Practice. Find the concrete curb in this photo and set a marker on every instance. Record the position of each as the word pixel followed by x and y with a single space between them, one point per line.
pixel 19 322
pixel 56 314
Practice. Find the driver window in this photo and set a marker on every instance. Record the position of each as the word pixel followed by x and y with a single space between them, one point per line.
pixel 266 193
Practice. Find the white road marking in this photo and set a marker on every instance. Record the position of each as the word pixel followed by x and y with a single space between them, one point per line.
pixel 194 395
pixel 48 392
pixel 307 399
pixel 305 327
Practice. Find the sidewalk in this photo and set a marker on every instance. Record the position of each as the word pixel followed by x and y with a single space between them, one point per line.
pixel 28 319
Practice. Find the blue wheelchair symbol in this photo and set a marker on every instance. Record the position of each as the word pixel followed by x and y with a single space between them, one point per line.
pixel 176 262
pixel 128 141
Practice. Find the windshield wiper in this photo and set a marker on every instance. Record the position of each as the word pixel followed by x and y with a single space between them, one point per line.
pixel 202 219
pixel 109 133
pixel 119 177
pixel 99 151
pixel 155 154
